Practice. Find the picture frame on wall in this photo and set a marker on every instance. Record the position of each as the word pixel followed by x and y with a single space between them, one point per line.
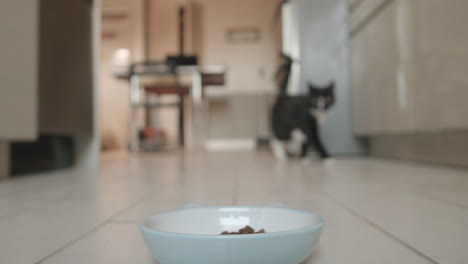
pixel 243 35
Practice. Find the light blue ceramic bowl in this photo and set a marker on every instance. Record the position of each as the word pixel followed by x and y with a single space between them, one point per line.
pixel 191 235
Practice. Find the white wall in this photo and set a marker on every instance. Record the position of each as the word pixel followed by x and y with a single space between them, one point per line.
pixel 250 65
pixel 113 93
pixel 325 57
pixel 242 109
pixel 164 28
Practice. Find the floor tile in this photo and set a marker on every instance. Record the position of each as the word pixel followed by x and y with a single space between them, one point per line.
pixel 346 238
pixel 436 228
pixel 62 207
pixel 376 211
pixel 112 244
pixel 208 189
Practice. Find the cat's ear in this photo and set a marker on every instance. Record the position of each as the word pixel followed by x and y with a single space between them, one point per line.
pixel 312 88
pixel 330 89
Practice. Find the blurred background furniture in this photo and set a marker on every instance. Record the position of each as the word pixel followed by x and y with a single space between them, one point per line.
pixel 155 79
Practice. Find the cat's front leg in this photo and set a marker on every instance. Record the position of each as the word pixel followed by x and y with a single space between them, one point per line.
pixel 279 149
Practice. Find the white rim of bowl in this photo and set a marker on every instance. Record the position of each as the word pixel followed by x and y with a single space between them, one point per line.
pixel 311 228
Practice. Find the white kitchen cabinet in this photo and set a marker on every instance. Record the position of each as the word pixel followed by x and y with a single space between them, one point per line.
pixel 65 74
pixel 380 89
pixel 409 64
pixel 45 71
pixel 18 69
pixel 46 68
pixel 440 65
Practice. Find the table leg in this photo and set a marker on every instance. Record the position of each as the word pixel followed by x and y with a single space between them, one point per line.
pixel 134 133
pixel 182 120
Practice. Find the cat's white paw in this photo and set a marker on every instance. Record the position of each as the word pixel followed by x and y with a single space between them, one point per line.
pixel 279 150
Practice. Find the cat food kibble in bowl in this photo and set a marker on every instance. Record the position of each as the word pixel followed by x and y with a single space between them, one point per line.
pixel 245 231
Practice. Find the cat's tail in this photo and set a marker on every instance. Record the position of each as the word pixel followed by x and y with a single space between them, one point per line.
pixel 277 14
pixel 283 74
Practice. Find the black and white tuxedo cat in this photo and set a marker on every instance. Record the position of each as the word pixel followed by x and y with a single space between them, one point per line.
pixel 297 118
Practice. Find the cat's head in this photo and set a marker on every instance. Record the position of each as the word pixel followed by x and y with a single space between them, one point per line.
pixel 322 98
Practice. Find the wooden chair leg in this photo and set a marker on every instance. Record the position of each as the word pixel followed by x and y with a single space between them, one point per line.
pixel 181 121
pixel 134 133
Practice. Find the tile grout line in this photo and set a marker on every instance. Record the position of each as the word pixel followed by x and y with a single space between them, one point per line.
pixel 423 194
pixel 92 230
pixel 123 222
pixel 441 200
pixel 374 225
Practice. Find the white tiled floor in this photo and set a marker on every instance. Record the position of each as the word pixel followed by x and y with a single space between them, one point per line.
pixel 375 211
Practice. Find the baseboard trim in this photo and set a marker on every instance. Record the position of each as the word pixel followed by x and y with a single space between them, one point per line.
pixel 449 148
pixel 231 145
